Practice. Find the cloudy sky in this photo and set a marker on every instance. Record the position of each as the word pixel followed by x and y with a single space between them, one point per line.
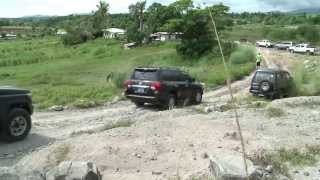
pixel 18 8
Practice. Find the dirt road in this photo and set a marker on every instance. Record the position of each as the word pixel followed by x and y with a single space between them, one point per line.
pixel 159 144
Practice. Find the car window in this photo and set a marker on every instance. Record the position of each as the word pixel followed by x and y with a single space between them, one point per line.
pixel 143 74
pixel 263 76
pixel 186 77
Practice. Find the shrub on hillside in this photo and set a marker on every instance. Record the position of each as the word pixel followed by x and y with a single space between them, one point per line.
pixel 76 36
pixel 306 83
pixel 243 55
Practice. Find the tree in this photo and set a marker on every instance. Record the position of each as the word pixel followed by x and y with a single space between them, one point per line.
pixel 137 12
pixel 197 31
pixel 135 31
pixel 100 18
pixel 183 6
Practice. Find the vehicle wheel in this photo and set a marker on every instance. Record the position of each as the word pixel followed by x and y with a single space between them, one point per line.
pixel 198 97
pixel 171 102
pixel 139 104
pixel 18 125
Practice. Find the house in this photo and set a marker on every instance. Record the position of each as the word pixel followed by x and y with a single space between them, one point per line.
pixel 166 36
pixel 61 32
pixel 113 33
pixel 8 36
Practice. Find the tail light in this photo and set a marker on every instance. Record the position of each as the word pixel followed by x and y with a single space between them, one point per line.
pixel 127 83
pixel 156 86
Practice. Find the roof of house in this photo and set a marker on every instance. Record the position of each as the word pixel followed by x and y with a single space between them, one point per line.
pixel 114 30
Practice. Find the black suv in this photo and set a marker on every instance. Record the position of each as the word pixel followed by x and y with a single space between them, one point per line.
pixel 15 113
pixel 271 83
pixel 162 86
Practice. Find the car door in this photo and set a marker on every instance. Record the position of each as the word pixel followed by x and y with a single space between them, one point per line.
pixel 174 83
pixel 189 90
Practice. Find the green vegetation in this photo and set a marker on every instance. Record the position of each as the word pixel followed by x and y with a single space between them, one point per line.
pixel 280 159
pixel 274 112
pixel 306 81
pixel 77 75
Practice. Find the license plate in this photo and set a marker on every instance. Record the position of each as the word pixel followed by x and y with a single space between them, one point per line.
pixel 140 91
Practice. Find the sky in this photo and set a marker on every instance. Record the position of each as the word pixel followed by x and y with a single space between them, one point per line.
pixel 19 8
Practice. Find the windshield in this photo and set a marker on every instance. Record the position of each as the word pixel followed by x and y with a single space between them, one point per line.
pixel 263 76
pixel 141 74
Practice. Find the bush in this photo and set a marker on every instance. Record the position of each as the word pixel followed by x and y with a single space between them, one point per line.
pixel 275 112
pixel 76 36
pixel 243 55
pixel 306 83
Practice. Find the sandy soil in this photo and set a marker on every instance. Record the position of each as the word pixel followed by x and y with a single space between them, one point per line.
pixel 162 144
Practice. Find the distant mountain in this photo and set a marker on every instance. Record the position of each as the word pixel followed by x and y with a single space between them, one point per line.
pixel 308 10
pixel 36 17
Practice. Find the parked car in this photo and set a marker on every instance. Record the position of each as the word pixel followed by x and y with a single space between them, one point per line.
pixel 303 48
pixel 162 86
pixel 271 83
pixel 264 43
pixel 285 45
pixel 15 113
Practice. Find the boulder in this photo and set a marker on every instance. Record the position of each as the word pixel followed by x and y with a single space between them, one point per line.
pixel 231 167
pixel 56 108
pixel 74 171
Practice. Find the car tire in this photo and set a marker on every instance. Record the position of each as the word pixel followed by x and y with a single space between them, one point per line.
pixel 18 125
pixel 171 102
pixel 265 87
pixel 198 97
pixel 139 104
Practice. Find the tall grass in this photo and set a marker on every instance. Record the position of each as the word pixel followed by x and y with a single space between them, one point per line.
pixel 306 82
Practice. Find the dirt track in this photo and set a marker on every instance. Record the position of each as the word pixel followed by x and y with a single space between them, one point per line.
pixel 167 143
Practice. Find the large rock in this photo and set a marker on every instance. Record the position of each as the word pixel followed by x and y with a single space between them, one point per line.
pixel 74 171
pixel 230 167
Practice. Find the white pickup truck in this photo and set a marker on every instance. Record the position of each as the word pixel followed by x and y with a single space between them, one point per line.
pixel 303 48
pixel 264 43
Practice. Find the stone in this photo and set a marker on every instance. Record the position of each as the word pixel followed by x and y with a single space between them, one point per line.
pixel 156 172
pixel 269 169
pixel 208 110
pixel 205 155
pixel 230 167
pixel 306 173
pixel 115 100
pixel 56 108
pixel 74 170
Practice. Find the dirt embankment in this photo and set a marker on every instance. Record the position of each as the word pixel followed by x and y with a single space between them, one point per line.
pixel 143 143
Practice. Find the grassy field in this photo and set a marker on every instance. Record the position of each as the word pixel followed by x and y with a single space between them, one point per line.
pixel 77 76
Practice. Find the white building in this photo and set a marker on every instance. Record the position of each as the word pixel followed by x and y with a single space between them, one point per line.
pixel 61 32
pixel 113 33
pixel 166 36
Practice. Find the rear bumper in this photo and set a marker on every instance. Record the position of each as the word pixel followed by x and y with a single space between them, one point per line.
pixel 145 99
pixel 260 93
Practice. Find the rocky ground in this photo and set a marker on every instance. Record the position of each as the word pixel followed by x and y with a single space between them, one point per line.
pixel 126 142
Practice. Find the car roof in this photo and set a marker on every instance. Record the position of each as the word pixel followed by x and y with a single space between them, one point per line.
pixel 157 68
pixel 271 70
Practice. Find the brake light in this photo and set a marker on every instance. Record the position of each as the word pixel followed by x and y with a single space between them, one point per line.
pixel 127 83
pixel 156 86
